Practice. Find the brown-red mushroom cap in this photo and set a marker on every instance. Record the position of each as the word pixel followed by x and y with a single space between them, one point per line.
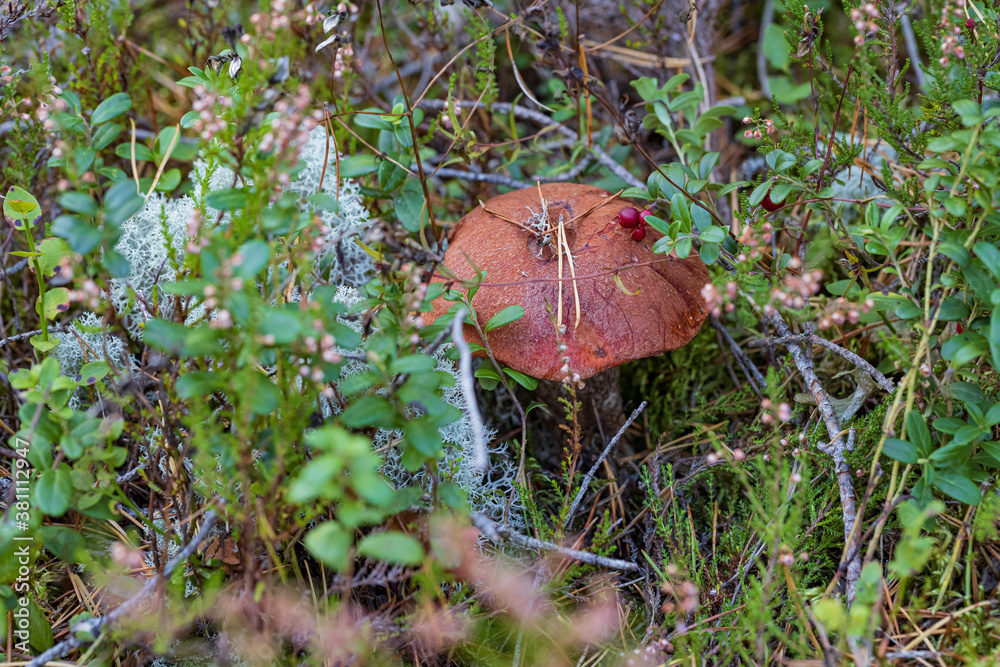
pixel 655 304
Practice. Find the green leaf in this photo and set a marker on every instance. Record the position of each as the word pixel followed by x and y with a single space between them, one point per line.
pixel 19 205
pixel 966 392
pixel 324 201
pixel 53 491
pixel 370 411
pixel 525 381
pixel 780 161
pixel 412 363
pixel 105 134
pixel 713 235
pixel 963 348
pixel 990 255
pixel 957 487
pixel 970 112
pixel 142 153
pixel 901 450
pixel 170 179
pixel 453 496
pixel 683 247
pixel 919 434
pixel 228 199
pixel 78 202
pixel 505 316
pixel 91 372
pixel 284 326
pixel 957 252
pixel 372 120
pixel 121 202
pixel 265 397
pixel 357 165
pixel 67 544
pixel 392 547
pixel 111 108
pixel 390 175
pixel 255 256
pixel 189 119
pixel 679 211
pixel 84 158
pixel 949 425
pixel 423 434
pixel 775 47
pixel 953 308
pixel 408 203
pixel 992 416
pixel 51 253
pixel 42 345
pixel 197 383
pixel 759 192
pixel 330 543
pixel 56 301
pixel 709 253
pixel 780 192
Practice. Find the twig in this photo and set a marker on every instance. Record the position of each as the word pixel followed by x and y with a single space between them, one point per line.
pixel 28 334
pixel 482 460
pixel 757 380
pixel 17 267
pixel 498 179
pixel 835 449
pixel 912 49
pixel 93 627
pixel 593 471
pixel 497 533
pixel 882 380
pixel 540 118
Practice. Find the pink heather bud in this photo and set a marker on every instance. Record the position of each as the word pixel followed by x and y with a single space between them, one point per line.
pixel 748 134
pixel 960 53
pixel 757 134
pixel 747 120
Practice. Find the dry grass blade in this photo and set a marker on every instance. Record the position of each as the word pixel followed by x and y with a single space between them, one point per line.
pixel 517 76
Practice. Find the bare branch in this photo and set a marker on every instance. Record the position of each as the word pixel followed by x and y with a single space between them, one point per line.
pixel 882 380
pixel 835 449
pixel 465 371
pixel 497 533
pixel 93 627
pixel 593 471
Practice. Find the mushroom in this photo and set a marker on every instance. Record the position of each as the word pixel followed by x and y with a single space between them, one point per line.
pixel 625 302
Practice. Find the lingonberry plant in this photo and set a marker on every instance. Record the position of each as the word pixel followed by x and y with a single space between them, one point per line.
pixel 240 357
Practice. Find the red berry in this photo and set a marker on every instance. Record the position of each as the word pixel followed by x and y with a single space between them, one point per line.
pixel 644 214
pixel 960 328
pixel 770 205
pixel 628 217
pixel 639 233
pixel 970 23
